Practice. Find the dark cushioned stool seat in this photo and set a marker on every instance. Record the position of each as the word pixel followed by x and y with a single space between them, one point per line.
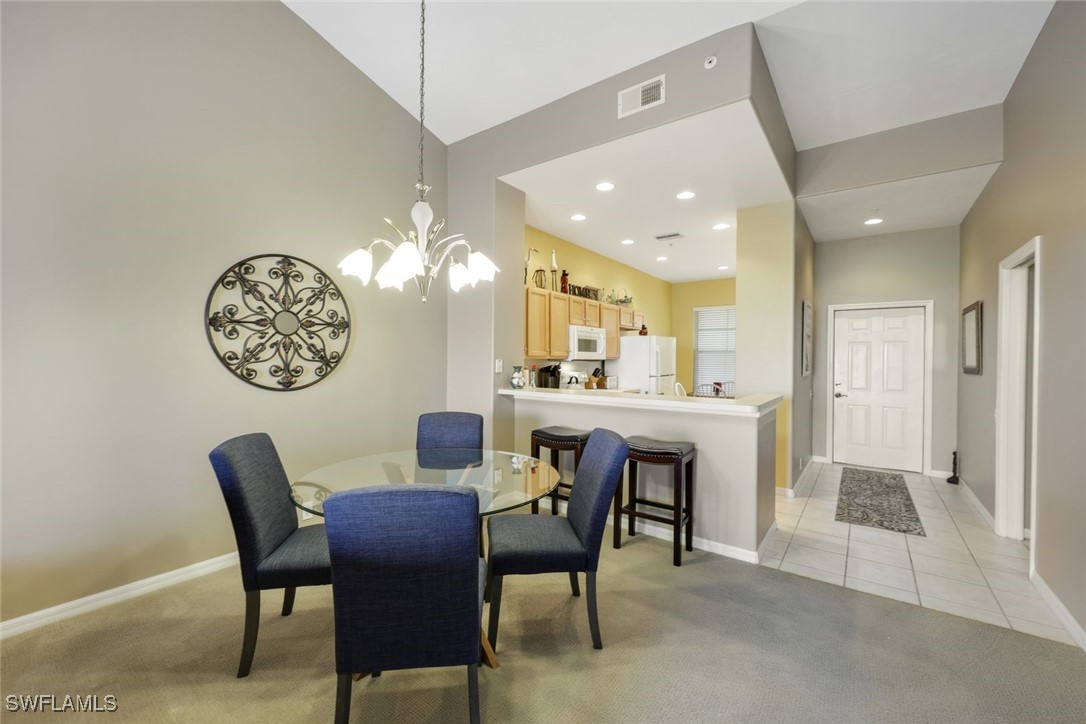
pixel 525 544
pixel 680 455
pixel 300 560
pixel 559 437
pixel 660 448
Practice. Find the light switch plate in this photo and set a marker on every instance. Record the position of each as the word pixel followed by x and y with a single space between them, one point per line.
pixel 499 366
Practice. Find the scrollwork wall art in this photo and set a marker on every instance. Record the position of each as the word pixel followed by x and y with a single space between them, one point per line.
pixel 277 322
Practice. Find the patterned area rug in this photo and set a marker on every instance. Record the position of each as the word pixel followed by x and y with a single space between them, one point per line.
pixel 877 499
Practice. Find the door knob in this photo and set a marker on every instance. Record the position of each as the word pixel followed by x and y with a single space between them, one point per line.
pixel 838 394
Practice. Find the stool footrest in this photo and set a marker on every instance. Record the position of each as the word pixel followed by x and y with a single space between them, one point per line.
pixel 652 516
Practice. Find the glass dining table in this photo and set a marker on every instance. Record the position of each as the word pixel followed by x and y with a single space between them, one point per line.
pixel 504 480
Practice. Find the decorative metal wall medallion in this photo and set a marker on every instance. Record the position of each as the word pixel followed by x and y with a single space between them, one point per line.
pixel 277 322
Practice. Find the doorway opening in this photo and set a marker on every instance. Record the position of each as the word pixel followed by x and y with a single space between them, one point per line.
pixel 1016 394
pixel 881 355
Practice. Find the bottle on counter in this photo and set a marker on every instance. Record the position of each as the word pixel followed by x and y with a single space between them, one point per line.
pixel 531 377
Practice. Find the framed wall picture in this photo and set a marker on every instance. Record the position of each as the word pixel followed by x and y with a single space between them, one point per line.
pixel 972 338
pixel 807 354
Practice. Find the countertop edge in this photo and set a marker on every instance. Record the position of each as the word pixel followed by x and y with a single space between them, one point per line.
pixel 750 406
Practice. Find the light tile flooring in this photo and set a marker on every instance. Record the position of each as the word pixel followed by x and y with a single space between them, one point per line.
pixel 960 567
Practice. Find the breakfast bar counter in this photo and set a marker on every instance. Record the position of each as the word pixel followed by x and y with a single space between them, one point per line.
pixel 736 452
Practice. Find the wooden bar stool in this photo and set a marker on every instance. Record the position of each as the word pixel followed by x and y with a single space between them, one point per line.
pixel 558 438
pixel 679 455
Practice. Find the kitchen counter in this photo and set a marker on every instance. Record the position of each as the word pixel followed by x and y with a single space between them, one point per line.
pixel 735 479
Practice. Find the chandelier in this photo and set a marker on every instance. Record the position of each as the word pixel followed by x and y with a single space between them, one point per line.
pixel 419 254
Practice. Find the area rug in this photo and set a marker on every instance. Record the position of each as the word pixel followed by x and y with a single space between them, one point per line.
pixel 877 499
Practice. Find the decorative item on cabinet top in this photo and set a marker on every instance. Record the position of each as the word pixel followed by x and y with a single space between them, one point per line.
pixel 277 322
pixel 587 292
pixel 623 300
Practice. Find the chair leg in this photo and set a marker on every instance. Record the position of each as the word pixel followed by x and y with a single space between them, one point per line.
pixel 473 692
pixel 617 525
pixel 495 611
pixel 573 584
pixel 593 614
pixel 288 600
pixel 690 505
pixel 556 464
pixel 631 483
pixel 343 698
pixel 489 585
pixel 252 626
pixel 535 503
pixel 677 514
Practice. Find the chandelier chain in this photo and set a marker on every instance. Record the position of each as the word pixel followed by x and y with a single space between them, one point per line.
pixel 422 95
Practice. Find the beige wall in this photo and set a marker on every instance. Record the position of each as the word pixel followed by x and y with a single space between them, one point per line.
pixel 802 387
pixel 148 146
pixel 651 295
pixel 684 298
pixel 1039 190
pixel 907 266
pixel 764 313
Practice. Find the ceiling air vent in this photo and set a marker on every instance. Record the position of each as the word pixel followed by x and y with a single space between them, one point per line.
pixel 669 237
pixel 641 96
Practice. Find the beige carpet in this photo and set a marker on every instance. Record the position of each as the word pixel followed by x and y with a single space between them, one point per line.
pixel 715 640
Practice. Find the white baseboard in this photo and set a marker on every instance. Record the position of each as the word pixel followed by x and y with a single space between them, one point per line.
pixel 666 532
pixel 787 492
pixel 115 595
pixel 1074 628
pixel 944 474
pixel 977 504
pixel 821 459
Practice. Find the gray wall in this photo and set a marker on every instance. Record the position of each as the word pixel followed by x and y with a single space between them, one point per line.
pixel 907 266
pixel 578 121
pixel 802 387
pixel 148 146
pixel 1039 190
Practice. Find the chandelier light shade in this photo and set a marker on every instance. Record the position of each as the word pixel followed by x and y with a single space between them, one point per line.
pixel 420 254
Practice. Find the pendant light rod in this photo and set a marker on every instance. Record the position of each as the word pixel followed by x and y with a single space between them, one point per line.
pixel 421 186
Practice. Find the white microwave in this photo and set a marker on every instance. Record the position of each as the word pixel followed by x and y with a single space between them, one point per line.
pixel 589 343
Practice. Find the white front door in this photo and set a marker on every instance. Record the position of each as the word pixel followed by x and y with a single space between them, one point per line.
pixel 878 388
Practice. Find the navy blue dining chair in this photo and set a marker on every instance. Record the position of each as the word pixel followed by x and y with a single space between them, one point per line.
pixel 407 582
pixel 273 551
pixel 528 544
pixel 437 430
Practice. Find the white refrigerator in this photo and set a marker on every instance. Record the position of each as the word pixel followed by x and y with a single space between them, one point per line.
pixel 645 364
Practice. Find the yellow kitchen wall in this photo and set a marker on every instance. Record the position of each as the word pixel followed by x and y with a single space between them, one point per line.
pixel 684 298
pixel 587 268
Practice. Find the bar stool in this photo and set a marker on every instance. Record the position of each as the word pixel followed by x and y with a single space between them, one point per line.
pixel 558 438
pixel 679 455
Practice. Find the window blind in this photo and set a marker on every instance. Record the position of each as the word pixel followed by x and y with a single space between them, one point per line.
pixel 714 345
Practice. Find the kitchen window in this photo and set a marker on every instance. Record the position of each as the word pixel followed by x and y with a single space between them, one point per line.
pixel 714 347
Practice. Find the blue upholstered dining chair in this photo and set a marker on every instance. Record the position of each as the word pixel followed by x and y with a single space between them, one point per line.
pixel 439 430
pixel 407 582
pixel 525 544
pixel 274 552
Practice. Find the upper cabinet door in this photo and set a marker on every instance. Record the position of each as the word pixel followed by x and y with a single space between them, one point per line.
pixel 559 326
pixel 537 329
pixel 626 318
pixel 639 319
pixel 577 310
pixel 609 315
pixel 591 313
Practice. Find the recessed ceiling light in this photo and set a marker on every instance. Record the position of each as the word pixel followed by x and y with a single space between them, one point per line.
pixel 721 227
pixel 872 221
pixel 661 258
pixel 627 242
pixel 684 195
pixel 578 217
pixel 722 268
pixel 604 186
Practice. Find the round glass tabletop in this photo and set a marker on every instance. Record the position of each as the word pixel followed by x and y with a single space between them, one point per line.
pixel 504 480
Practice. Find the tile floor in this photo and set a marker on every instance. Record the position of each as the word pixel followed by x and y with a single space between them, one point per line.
pixel 960 567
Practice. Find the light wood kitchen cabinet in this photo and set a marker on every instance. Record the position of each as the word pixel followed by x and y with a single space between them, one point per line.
pixel 558 325
pixel 609 318
pixel 626 318
pixel 537 326
pixel 639 319
pixel 584 311
pixel 591 313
